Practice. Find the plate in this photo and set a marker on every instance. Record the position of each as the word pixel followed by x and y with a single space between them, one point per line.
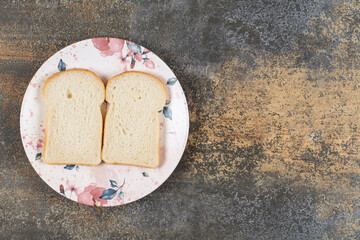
pixel 105 184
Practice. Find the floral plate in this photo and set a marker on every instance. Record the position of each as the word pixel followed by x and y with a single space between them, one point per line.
pixel 106 185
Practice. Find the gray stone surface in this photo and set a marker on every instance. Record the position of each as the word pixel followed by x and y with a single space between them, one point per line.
pixel 272 88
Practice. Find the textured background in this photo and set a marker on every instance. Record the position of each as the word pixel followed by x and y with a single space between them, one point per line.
pixel 273 93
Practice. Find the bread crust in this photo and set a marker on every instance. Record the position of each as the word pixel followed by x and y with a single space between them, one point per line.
pixel 138 72
pixel 66 71
pixel 47 115
pixel 158 142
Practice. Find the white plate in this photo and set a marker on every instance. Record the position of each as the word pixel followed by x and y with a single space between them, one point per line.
pixel 106 57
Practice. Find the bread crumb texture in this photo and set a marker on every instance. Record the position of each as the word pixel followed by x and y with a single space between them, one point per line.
pixel 74 120
pixel 131 134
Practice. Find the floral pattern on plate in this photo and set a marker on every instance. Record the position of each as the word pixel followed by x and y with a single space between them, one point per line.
pixel 105 184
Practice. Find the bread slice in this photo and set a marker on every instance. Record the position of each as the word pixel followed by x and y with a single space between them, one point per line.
pixel 131 133
pixel 74 124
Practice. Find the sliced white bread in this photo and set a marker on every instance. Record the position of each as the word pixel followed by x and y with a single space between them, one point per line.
pixel 74 124
pixel 131 132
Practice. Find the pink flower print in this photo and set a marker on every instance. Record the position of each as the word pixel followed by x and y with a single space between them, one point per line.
pixel 85 198
pixel 130 52
pixel 70 186
pixel 136 54
pixel 101 44
pixel 149 64
pixel 138 57
pixel 123 65
pixel 116 45
pixel 39 144
pixel 91 196
pixel 132 64
pixel 108 46
pixel 97 192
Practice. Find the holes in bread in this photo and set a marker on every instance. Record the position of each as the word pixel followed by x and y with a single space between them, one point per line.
pixel 135 99
pixel 69 95
pixel 114 87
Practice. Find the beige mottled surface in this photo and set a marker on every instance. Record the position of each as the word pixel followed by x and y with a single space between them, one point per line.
pixel 273 94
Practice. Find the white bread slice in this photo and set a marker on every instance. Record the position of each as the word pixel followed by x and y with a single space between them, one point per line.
pixel 74 124
pixel 131 132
